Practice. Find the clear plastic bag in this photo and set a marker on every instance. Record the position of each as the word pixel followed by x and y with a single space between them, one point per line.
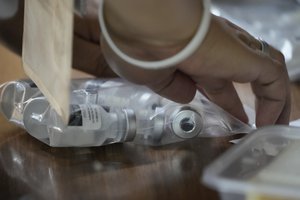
pixel 106 111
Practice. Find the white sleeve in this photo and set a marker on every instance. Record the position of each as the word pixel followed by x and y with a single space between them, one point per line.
pixel 8 8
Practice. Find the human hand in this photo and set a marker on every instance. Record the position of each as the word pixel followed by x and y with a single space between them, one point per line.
pixel 228 54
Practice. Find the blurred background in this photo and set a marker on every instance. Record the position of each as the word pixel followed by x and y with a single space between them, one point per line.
pixel 10 65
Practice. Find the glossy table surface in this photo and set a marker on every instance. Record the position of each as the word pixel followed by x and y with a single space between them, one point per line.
pixel 30 169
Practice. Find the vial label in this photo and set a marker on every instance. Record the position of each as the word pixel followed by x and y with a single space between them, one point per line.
pixel 91 116
pixel 87 116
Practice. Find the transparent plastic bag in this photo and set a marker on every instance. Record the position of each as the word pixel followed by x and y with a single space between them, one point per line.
pixel 106 111
pixel 14 97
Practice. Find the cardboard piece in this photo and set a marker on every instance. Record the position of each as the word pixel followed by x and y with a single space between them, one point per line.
pixel 47 49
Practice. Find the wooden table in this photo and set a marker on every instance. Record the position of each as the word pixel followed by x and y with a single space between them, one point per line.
pixel 31 170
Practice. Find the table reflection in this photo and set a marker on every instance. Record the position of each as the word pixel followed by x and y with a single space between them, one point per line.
pixel 110 172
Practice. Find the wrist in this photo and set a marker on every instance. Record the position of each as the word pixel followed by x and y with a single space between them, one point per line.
pixel 171 61
pixel 153 23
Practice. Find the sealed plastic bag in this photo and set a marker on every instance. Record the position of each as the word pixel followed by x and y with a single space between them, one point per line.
pixel 106 111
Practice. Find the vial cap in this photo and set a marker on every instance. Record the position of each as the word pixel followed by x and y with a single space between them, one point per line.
pixel 187 123
pixel 131 125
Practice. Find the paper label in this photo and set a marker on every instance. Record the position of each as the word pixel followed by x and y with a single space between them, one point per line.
pixel 91 116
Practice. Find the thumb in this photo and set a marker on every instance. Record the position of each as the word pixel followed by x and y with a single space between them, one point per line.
pixel 177 87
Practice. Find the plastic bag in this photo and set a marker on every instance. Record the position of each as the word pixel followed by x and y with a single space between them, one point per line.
pixel 106 111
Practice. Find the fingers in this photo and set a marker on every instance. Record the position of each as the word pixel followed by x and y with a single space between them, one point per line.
pixel 273 95
pixel 277 95
pixel 276 55
pixel 274 102
pixel 177 87
pixel 230 53
pixel 272 85
pixel 254 43
pixel 284 117
pixel 224 94
pixel 271 88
